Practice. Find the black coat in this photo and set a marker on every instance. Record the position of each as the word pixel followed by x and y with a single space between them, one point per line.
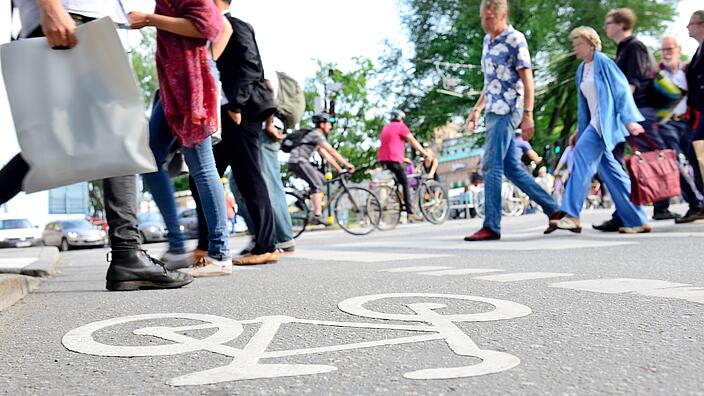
pixel 695 81
pixel 242 74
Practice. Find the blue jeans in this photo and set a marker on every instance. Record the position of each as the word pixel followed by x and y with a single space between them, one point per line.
pixel 590 155
pixel 271 171
pixel 201 165
pixel 499 160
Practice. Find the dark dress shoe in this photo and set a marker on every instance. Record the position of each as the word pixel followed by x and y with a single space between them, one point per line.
pixel 485 234
pixel 552 224
pixel 608 226
pixel 666 215
pixel 134 269
pixel 692 215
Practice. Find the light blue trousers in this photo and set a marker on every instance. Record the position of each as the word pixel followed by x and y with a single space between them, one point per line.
pixel 590 156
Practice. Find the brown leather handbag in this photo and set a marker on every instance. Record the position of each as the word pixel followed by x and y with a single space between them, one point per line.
pixel 655 175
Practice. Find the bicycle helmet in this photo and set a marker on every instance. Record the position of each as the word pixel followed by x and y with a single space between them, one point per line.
pixel 320 118
pixel 397 115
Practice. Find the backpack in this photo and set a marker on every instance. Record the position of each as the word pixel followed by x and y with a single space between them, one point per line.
pixel 290 99
pixel 293 140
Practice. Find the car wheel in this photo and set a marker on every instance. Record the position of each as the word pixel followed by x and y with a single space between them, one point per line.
pixel 64 246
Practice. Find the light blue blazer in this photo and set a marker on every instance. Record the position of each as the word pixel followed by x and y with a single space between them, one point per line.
pixel 616 104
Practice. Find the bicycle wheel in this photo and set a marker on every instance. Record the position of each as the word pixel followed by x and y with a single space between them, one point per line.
pixel 390 207
pixel 514 201
pixel 357 210
pixel 479 204
pixel 433 201
pixel 299 212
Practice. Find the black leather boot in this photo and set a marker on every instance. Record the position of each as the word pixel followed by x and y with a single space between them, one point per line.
pixel 134 269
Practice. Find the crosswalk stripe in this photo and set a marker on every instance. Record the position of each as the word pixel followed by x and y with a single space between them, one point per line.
pixel 360 256
pixel 415 269
pixel 461 271
pixel 521 276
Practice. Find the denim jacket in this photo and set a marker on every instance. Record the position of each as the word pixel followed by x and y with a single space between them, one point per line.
pixel 616 104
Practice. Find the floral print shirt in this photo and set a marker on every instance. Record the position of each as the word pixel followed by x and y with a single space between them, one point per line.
pixel 502 57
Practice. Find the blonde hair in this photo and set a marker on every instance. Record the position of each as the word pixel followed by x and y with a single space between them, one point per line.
pixel 496 5
pixel 624 16
pixel 587 34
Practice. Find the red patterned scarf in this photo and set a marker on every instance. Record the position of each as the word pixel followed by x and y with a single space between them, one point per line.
pixel 188 90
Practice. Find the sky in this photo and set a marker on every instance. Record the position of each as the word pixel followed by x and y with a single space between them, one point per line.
pixel 292 34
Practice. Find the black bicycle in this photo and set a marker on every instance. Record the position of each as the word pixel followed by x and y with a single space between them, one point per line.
pixel 430 198
pixel 356 210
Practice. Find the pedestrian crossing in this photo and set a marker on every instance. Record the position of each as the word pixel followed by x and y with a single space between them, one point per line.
pixel 503 277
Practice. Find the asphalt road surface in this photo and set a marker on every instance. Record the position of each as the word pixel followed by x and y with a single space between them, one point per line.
pixel 411 311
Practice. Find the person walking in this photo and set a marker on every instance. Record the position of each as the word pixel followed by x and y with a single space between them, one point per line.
pixel 391 156
pixel 607 114
pixel 269 147
pixel 246 105
pixel 633 59
pixel 695 83
pixel 507 97
pixel 131 268
pixel 676 131
pixel 186 111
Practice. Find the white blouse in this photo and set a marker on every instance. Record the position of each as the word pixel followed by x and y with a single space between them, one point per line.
pixel 588 87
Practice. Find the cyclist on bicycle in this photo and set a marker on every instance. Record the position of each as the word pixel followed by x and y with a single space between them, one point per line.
pixel 391 155
pixel 299 162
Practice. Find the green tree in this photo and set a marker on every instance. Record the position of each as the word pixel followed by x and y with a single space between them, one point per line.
pixel 359 123
pixel 446 38
pixel 144 64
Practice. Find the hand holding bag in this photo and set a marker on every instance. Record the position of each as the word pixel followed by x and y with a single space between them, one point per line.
pixel 655 175
pixel 78 113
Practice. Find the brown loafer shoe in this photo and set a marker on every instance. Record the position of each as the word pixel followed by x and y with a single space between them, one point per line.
pixel 256 259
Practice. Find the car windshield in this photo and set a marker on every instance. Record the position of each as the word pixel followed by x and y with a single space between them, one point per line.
pixel 150 217
pixel 77 225
pixel 12 224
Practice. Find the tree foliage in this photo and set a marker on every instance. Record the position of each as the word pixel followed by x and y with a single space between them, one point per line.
pixel 359 122
pixel 144 64
pixel 450 31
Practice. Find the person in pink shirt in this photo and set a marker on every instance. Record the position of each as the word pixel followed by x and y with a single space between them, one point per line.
pixel 392 153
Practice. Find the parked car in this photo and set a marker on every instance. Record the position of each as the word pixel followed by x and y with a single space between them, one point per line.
pixel 69 234
pixel 18 233
pixel 152 227
pixel 188 220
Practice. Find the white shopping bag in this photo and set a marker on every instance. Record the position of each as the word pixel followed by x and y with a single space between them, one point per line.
pixel 78 113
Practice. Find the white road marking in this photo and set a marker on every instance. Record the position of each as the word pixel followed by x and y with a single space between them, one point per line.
pixel 502 245
pixel 246 363
pixel 460 271
pixel 17 262
pixel 419 268
pixel 644 287
pixel 521 276
pixel 359 256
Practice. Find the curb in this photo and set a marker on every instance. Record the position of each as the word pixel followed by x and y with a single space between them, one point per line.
pixel 14 287
pixel 45 264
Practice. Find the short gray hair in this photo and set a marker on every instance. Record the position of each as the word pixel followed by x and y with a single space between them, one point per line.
pixel 497 5
pixel 672 37
pixel 587 34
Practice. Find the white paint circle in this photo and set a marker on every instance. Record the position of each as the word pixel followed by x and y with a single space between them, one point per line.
pixel 81 339
pixel 503 309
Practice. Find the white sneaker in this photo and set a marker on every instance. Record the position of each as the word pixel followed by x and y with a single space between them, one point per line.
pixel 174 261
pixel 208 266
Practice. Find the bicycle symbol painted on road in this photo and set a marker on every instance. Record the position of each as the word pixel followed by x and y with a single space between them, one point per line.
pixel 246 360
